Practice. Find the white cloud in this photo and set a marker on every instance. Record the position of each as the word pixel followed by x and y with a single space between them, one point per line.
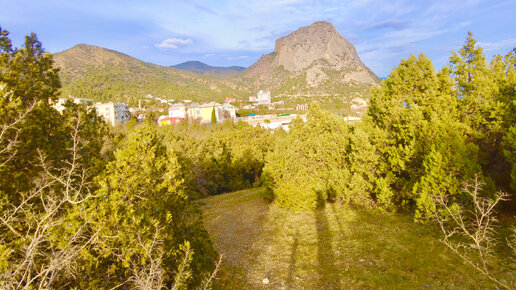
pixel 237 57
pixel 504 44
pixel 173 43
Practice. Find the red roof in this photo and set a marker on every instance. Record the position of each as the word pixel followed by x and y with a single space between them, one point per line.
pixel 173 120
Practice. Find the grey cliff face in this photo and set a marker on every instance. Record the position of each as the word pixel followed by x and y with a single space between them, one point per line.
pixel 314 50
pixel 319 41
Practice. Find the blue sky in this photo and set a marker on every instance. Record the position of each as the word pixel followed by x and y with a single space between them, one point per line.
pixel 231 32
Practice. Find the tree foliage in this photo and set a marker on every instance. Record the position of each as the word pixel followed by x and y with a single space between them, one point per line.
pixel 220 158
pixel 322 159
pixel 142 198
pixel 425 132
pixel 28 85
pixel 78 213
pixel 213 117
pixel 486 93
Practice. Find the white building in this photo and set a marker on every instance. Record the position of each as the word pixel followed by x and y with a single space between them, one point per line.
pixel 264 97
pixel 113 113
pixel 302 107
pixel 177 110
pixel 271 122
pixel 59 106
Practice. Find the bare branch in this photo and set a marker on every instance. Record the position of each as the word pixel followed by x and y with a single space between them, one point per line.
pixel 10 143
pixel 475 226
pixel 207 282
pixel 41 210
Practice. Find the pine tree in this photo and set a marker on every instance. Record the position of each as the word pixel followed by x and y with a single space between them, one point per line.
pixel 425 146
pixel 403 109
pixel 309 166
pixel 48 162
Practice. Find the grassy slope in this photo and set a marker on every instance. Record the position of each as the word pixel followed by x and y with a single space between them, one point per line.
pixel 334 247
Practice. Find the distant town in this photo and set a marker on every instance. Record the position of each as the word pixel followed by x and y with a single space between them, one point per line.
pixel 116 113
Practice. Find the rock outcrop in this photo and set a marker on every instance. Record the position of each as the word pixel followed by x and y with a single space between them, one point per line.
pixel 317 54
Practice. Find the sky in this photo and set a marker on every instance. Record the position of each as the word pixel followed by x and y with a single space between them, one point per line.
pixel 233 32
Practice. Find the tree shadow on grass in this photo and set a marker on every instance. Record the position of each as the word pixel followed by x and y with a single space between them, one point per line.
pixel 327 270
pixel 293 259
pixel 337 219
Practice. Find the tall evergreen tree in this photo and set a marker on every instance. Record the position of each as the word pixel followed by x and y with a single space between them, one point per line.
pixel 47 165
pixel 321 160
pixel 424 145
pixel 29 84
pixel 213 117
pixel 485 92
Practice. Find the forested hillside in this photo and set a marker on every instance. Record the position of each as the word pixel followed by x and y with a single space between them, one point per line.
pixel 204 69
pixel 104 75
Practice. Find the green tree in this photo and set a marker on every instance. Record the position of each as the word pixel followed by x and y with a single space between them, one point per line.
pixel 402 110
pixel 221 158
pixel 47 165
pixel 28 85
pixel 447 163
pixel 249 146
pixel 509 142
pixel 142 200
pixel 213 117
pixel 485 92
pixel 425 147
pixel 308 166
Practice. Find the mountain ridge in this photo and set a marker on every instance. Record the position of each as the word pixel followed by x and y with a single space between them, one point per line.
pixel 206 69
pixel 103 74
pixel 314 61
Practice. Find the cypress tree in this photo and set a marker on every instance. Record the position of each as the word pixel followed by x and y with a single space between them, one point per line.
pixel 213 117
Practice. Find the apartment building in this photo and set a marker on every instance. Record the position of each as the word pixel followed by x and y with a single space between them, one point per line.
pixel 264 97
pixel 114 113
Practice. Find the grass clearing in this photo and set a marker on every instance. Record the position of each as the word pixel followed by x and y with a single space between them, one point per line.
pixel 334 247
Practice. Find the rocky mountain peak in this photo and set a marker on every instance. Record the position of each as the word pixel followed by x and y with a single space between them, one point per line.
pixel 319 41
pixel 315 51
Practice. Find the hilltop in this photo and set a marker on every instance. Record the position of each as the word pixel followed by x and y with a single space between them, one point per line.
pixel 205 69
pixel 103 74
